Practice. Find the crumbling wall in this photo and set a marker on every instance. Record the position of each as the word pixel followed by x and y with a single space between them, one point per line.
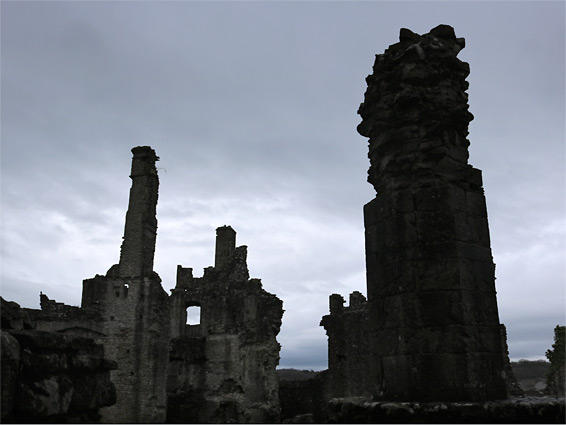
pixel 135 313
pixel 304 401
pixel 434 325
pixel 223 369
pixel 59 317
pixel 51 377
pixel 348 347
pixel 127 309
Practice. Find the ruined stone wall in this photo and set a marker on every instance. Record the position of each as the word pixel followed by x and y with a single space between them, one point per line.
pixel 304 401
pixel 227 362
pixel 127 310
pixel 430 274
pixel 136 334
pixel 348 348
pixel 51 377
pixel 59 317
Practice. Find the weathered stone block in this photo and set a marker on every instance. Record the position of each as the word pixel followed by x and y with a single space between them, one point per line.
pixel 13 317
pixel 46 397
pixel 42 363
pixel 443 274
pixel 435 226
pixel 10 373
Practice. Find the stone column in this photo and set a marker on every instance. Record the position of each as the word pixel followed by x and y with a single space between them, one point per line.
pixel 138 247
pixel 434 325
pixel 225 246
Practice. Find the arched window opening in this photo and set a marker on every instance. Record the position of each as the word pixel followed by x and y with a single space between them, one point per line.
pixel 193 315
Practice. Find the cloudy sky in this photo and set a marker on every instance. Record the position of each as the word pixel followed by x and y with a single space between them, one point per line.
pixel 252 108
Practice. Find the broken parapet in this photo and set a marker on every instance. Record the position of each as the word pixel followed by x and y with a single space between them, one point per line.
pixel 222 369
pixel 434 324
pixel 348 347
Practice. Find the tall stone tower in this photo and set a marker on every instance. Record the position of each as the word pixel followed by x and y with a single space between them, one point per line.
pixel 433 319
pixel 138 248
pixel 133 307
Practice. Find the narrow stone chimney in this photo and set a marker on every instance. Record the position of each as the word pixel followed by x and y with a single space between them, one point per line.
pixel 225 246
pixel 138 247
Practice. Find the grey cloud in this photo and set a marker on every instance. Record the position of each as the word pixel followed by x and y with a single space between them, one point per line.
pixel 252 109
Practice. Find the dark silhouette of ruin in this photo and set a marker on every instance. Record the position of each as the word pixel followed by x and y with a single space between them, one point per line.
pixel 229 358
pixel 220 370
pixel 432 329
pixel 427 336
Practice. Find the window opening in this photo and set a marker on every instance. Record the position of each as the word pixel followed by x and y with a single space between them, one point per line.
pixel 193 315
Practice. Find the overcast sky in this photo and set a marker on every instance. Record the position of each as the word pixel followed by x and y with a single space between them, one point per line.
pixel 252 108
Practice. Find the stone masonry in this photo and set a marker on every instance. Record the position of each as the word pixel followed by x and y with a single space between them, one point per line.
pixel 348 347
pixel 50 377
pixel 434 325
pixel 223 369
pixel 134 306
pixel 126 310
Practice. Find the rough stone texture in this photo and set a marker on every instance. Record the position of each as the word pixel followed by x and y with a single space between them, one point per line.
pixel 304 401
pixel 10 371
pixel 127 310
pixel 348 348
pixel 434 325
pixel 223 369
pixel 13 316
pixel 519 410
pixel 140 233
pixel 52 377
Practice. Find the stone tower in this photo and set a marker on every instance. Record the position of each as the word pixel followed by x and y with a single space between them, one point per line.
pixel 138 248
pixel 127 310
pixel 133 307
pixel 433 319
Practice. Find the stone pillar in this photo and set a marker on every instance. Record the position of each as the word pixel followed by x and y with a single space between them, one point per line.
pixel 225 246
pixel 434 325
pixel 138 247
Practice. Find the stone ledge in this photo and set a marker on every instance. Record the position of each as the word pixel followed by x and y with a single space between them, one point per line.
pixel 516 410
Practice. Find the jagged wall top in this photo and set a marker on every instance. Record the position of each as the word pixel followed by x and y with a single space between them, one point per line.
pixel 415 109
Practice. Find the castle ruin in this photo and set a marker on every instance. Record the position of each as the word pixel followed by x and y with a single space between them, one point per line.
pixel 222 370
pixel 428 331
